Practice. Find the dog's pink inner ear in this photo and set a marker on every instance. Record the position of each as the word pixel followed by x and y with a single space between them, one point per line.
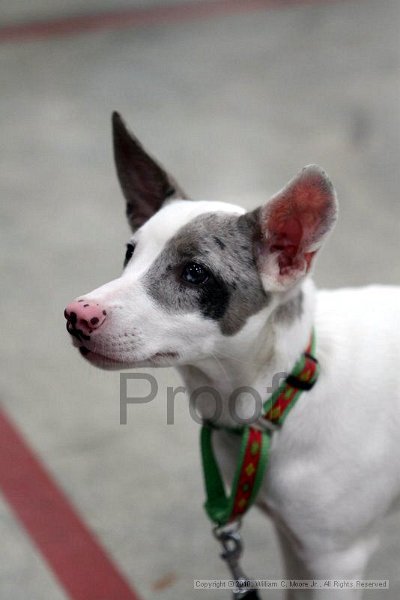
pixel 296 220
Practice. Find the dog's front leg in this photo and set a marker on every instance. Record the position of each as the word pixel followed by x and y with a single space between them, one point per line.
pixel 339 569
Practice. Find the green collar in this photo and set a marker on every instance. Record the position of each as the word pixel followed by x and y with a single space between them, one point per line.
pixel 255 444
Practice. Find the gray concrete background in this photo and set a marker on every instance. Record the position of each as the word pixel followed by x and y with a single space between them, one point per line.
pixel 234 106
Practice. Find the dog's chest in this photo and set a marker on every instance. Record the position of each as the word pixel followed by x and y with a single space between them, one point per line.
pixel 336 460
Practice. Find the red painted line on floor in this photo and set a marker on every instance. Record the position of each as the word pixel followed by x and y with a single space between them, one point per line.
pixel 72 552
pixel 138 17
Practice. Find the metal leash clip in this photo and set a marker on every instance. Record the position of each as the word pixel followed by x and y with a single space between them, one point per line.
pixel 263 424
pixel 230 539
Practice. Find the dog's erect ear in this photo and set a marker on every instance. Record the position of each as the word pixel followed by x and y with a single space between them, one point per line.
pixel 144 182
pixel 292 226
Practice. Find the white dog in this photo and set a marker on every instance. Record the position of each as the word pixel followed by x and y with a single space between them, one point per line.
pixel 226 296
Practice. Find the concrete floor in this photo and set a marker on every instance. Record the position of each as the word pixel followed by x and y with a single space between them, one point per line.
pixel 234 106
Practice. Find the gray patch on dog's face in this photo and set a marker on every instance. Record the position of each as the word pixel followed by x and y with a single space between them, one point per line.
pixel 290 310
pixel 222 243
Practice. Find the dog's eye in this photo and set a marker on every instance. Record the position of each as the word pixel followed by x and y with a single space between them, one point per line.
pixel 130 248
pixel 195 273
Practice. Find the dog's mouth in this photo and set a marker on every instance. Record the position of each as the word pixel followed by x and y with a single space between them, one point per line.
pixel 100 360
pixel 107 362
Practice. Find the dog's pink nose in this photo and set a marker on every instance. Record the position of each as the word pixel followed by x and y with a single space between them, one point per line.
pixel 84 315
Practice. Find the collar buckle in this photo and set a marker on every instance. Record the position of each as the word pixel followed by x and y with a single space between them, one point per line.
pixel 263 424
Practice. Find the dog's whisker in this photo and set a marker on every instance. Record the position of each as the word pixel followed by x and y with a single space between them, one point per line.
pixel 225 372
pixel 231 357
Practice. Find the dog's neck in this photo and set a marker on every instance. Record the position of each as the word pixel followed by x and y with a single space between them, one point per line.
pixel 256 359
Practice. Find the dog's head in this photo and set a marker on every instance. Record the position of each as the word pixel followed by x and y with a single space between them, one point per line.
pixel 196 273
